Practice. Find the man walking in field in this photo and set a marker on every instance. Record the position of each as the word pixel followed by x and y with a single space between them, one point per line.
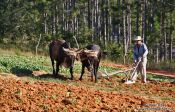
pixel 140 56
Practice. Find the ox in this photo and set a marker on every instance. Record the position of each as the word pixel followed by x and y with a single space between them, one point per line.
pixel 90 58
pixel 61 52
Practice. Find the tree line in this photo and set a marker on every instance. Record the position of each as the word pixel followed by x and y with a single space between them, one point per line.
pixel 110 23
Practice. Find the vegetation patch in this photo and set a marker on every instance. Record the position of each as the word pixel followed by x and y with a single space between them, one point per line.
pixel 24 65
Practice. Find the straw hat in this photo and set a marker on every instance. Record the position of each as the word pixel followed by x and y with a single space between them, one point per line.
pixel 138 38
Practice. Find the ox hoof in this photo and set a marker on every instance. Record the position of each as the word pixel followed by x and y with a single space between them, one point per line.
pixel 55 75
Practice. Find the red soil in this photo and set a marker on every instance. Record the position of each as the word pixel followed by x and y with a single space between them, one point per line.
pixel 18 95
pixel 111 95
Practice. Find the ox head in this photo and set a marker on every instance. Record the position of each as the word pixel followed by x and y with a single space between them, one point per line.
pixel 89 56
pixel 70 56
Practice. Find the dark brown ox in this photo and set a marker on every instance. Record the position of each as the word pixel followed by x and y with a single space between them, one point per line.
pixel 90 58
pixel 61 52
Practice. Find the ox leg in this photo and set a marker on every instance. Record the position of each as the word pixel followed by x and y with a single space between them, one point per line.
pixel 82 72
pixel 57 69
pixel 53 67
pixel 95 72
pixel 71 72
pixel 92 74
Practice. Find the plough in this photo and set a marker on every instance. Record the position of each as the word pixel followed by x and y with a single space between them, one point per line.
pixel 131 70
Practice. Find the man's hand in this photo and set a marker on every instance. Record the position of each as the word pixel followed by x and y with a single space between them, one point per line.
pixel 139 59
pixel 135 62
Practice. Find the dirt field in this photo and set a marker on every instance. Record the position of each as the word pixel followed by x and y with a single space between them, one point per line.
pixel 21 95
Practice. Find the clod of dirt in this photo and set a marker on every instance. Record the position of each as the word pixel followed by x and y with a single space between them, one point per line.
pixel 66 101
pixel 38 73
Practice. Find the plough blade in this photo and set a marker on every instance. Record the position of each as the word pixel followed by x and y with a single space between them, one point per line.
pixel 106 74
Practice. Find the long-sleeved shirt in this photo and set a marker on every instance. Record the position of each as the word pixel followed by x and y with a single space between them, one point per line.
pixel 140 51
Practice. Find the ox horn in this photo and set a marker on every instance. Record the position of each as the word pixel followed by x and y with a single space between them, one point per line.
pixel 65 49
pixel 79 50
pixel 88 51
pixel 91 53
pixel 69 52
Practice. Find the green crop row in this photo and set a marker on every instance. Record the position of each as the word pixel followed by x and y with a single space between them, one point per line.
pixel 26 64
pixel 17 64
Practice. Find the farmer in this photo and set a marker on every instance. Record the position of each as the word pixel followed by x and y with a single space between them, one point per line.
pixel 140 55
